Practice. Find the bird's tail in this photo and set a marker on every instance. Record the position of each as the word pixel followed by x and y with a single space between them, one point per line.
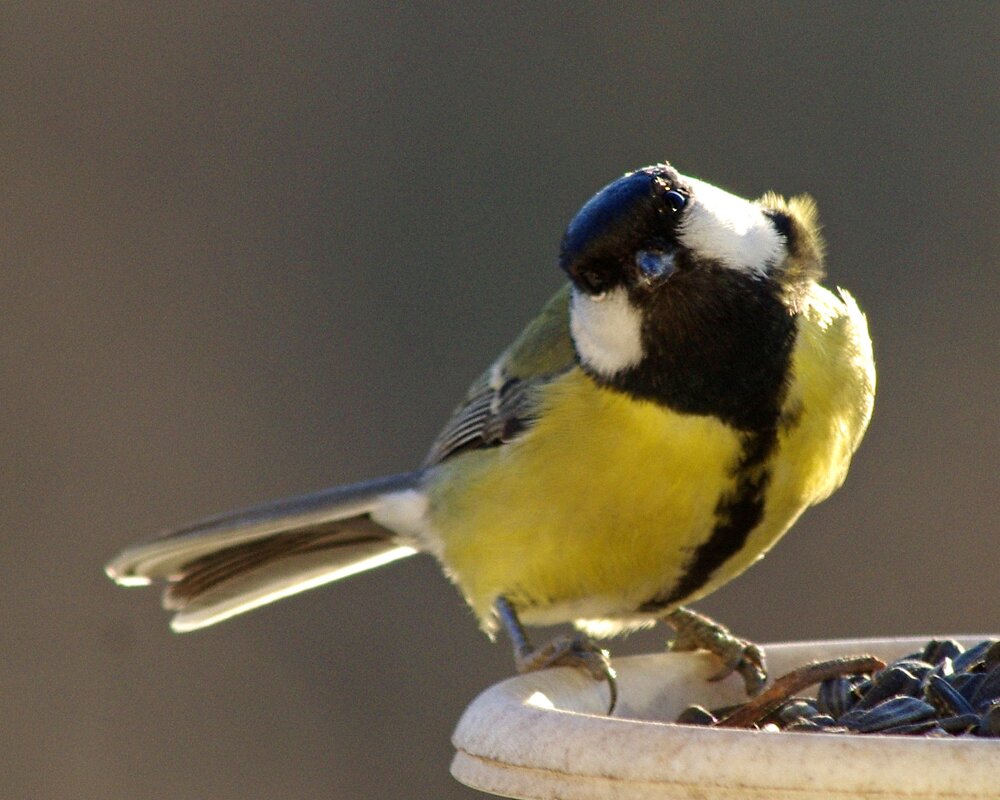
pixel 225 565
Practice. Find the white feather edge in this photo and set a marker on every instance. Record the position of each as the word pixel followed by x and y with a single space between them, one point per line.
pixel 207 612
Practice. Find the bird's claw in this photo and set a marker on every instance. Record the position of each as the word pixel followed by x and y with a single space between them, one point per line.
pixel 698 632
pixel 573 651
pixel 748 660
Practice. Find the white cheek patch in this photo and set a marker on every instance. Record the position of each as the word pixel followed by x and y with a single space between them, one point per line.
pixel 607 332
pixel 729 229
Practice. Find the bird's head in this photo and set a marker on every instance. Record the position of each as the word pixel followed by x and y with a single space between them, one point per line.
pixel 672 273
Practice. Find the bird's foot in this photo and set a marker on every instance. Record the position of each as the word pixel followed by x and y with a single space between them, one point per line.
pixel 572 651
pixel 564 651
pixel 698 632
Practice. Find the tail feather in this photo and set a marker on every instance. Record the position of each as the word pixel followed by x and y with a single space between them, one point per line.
pixel 232 563
pixel 279 578
pixel 355 535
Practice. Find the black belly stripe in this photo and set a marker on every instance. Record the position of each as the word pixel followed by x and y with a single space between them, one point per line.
pixel 737 513
pixel 718 342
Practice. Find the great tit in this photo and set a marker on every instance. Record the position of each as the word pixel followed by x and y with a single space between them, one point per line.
pixel 665 419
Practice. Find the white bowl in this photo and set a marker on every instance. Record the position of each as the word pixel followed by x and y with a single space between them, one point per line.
pixel 545 735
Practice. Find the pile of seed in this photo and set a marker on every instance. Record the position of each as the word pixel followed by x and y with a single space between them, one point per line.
pixel 943 690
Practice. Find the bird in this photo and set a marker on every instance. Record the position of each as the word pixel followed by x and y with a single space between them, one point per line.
pixel 687 393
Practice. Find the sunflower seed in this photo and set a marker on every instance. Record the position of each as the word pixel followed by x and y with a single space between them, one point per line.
pixel 959 723
pixel 945 668
pixel 890 682
pixel 937 650
pixel 989 723
pixel 945 697
pixel 918 669
pixel 796 710
pixel 967 683
pixel 972 657
pixel 887 714
pixel 835 696
pixel 911 728
pixel 992 656
pixel 806 726
pixel 696 715
pixel 988 691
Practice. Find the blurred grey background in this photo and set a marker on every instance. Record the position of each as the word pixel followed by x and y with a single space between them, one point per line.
pixel 254 249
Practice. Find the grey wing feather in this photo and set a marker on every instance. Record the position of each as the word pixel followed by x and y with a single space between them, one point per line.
pixel 491 417
pixel 503 403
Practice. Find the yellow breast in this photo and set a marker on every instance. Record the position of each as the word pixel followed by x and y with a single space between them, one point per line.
pixel 596 505
pixel 599 506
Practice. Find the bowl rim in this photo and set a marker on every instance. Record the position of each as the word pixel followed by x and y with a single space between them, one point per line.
pixel 549 727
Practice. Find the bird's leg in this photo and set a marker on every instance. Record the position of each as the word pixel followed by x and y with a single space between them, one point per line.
pixel 698 632
pixel 563 651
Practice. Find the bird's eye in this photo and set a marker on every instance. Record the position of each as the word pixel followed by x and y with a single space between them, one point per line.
pixel 591 282
pixel 655 263
pixel 675 200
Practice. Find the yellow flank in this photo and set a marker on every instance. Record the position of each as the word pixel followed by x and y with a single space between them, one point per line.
pixel 597 508
pixel 833 391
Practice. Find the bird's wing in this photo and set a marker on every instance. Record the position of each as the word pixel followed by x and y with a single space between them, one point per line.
pixel 502 403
